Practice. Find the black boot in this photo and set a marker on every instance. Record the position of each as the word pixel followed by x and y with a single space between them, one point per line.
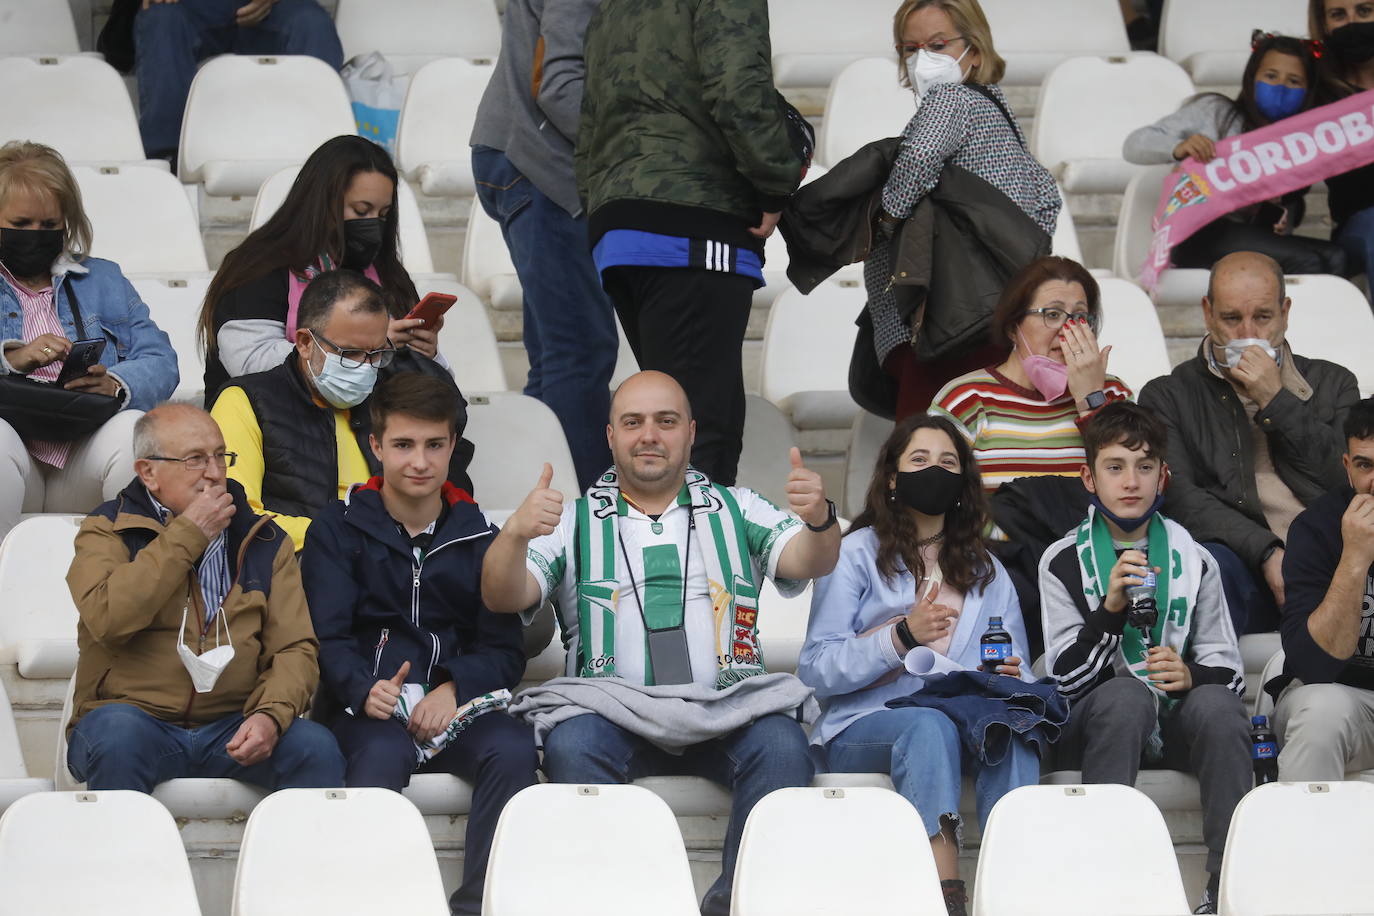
pixel 956 899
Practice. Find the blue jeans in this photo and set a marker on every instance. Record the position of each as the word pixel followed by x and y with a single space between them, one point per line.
pixel 751 762
pixel 1248 598
pixel 119 746
pixel 171 38
pixel 1356 236
pixel 921 750
pixel 570 334
pixel 495 754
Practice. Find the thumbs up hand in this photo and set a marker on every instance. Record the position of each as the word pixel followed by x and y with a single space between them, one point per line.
pixel 382 698
pixel 538 515
pixel 806 493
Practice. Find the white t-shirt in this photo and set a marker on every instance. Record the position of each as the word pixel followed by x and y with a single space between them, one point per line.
pixel 658 547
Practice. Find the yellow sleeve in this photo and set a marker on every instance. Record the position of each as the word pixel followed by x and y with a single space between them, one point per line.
pixel 352 465
pixel 243 436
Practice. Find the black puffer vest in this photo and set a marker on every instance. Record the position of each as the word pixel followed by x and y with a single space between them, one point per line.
pixel 299 450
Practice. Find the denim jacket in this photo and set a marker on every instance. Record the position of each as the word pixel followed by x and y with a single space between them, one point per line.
pixel 137 352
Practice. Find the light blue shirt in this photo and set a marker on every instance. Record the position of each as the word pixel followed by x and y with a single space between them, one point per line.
pixel 841 665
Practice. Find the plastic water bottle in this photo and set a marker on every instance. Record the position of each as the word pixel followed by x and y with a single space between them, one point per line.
pixel 1139 595
pixel 1141 610
pixel 995 644
pixel 1264 751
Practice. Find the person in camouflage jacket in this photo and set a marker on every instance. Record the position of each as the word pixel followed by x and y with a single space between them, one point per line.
pixel 685 156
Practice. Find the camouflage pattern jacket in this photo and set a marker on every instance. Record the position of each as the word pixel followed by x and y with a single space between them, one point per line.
pixel 682 131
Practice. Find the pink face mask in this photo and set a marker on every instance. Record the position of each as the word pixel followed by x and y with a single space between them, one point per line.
pixel 1050 377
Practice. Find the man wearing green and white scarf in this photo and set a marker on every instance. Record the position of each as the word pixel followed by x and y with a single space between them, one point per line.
pixel 655 574
pixel 1165 692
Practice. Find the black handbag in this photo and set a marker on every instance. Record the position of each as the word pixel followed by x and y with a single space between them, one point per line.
pixel 41 410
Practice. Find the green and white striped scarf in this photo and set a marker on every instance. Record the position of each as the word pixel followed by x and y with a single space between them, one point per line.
pixel 1170 548
pixel 730 573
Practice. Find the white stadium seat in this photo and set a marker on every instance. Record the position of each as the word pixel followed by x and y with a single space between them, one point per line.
pixel 37 27
pixel 1034 37
pixel 514 435
pixel 813 40
pixel 413 243
pixel 467 340
pixel 38 625
pixel 636 865
pixel 15 781
pixel 410 33
pixel 798 832
pixel 1130 325
pixel 764 462
pixel 1065 239
pixel 175 303
pixel 866 438
pixel 296 844
pixel 1330 319
pixel 1178 286
pixel 1298 848
pixel 1212 40
pixel 77 105
pixel 1087 107
pixel 804 368
pixel 141 219
pixel 1032 831
pixel 865 103
pixel 116 853
pixel 250 116
pixel 436 121
pixel 487 267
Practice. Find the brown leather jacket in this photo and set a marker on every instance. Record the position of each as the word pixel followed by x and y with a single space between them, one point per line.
pixel 131 579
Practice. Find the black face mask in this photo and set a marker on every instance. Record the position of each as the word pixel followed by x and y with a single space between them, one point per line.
pixel 30 252
pixel 362 242
pixel 1352 44
pixel 930 491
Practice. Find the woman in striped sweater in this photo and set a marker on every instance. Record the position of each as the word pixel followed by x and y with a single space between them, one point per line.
pixel 1023 415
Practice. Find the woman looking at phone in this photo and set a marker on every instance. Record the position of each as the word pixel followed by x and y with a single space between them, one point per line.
pixel 54 298
pixel 340 212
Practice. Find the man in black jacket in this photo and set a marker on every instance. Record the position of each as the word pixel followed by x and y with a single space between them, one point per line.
pixel 1257 433
pixel 416 670
pixel 1325 718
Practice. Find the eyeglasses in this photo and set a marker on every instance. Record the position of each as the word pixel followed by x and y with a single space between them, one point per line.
pixel 935 45
pixel 353 358
pixel 200 462
pixel 1259 37
pixel 1054 318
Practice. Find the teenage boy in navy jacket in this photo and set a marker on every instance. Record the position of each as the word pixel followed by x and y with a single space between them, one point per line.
pixel 392 574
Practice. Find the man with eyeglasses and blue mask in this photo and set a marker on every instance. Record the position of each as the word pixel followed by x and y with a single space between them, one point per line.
pixel 301 430
pixel 1257 432
pixel 197 655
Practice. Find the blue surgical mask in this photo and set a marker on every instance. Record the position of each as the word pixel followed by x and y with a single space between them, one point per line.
pixel 1127 524
pixel 340 385
pixel 1277 102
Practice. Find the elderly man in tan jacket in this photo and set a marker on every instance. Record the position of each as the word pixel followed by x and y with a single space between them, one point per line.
pixel 197 655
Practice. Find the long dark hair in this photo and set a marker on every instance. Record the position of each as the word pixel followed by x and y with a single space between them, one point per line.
pixel 963 552
pixel 310 222
pixel 1243 106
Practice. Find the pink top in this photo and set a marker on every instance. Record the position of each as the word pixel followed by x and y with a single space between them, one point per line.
pixel 948 595
pixel 40 317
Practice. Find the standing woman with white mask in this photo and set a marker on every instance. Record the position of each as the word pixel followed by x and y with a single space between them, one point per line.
pixel 946 56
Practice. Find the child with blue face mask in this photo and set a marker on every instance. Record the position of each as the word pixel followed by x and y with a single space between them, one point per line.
pixel 1279 81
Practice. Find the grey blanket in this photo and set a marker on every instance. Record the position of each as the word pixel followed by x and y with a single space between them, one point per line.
pixel 674 716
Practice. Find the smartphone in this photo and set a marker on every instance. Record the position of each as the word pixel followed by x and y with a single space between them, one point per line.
pixel 668 653
pixel 431 307
pixel 84 354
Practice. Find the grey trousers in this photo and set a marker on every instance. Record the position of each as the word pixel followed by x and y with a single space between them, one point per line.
pixel 1324 730
pixel 1208 735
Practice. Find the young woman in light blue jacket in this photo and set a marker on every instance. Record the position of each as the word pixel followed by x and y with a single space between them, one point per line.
pixel 911 597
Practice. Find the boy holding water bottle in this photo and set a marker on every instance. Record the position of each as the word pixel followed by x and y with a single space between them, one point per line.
pixel 1152 669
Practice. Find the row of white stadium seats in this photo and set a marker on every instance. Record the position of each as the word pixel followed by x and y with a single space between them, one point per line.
pixel 812 39
pixel 127 851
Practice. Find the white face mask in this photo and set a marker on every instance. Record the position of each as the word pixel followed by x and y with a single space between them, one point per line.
pixel 205 668
pixel 1236 349
pixel 931 69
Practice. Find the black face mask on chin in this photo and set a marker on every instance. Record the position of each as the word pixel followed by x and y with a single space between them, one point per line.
pixel 30 252
pixel 1352 44
pixel 362 242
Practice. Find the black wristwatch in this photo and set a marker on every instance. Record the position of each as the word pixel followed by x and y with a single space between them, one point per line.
pixel 828 523
pixel 904 635
pixel 1095 399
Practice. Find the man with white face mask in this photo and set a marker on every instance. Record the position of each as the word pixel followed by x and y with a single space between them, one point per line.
pixel 301 430
pixel 1258 433
pixel 196 651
